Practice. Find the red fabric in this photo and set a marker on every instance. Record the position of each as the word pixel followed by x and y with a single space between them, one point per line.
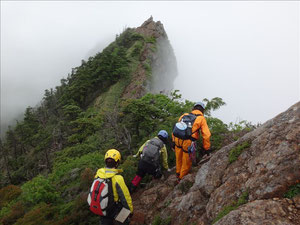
pixel 136 180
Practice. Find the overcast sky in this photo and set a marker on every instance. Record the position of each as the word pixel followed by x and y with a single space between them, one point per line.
pixel 246 52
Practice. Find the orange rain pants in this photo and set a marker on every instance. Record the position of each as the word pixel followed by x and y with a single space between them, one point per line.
pixel 183 162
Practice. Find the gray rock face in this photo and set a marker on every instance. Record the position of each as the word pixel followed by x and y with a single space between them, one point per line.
pixel 157 69
pixel 162 60
pixel 265 170
pixel 152 29
pixel 262 212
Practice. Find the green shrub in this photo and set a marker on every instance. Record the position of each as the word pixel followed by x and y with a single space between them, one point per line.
pixel 39 189
pixel 40 214
pixel 13 214
pixel 292 191
pixel 236 151
pixel 160 221
pixel 8 194
pixel 61 169
pixel 137 49
pixel 86 178
pixel 65 209
pixel 241 125
pixel 129 169
pixel 4 211
pixel 80 213
pixel 227 209
pixel 148 68
pixel 217 129
pixel 150 39
pixel 75 151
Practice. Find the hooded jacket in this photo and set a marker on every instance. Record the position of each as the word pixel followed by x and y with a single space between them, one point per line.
pixel 120 190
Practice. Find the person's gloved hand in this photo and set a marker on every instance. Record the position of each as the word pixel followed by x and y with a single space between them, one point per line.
pixel 207 152
pixel 173 146
pixel 134 156
pixel 169 170
pixel 204 152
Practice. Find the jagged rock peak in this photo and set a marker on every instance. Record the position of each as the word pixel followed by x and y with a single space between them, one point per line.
pixel 151 28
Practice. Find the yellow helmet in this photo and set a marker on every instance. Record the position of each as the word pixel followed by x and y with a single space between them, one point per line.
pixel 113 154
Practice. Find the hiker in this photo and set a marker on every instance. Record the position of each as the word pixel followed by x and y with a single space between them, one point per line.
pixel 184 137
pixel 150 159
pixel 121 196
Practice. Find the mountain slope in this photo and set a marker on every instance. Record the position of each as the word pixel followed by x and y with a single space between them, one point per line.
pixel 77 109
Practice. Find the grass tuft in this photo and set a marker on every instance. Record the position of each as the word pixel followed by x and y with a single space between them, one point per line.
pixel 236 151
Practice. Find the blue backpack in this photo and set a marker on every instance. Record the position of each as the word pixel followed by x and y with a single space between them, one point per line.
pixel 183 128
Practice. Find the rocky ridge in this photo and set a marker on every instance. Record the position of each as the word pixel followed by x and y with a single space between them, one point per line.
pixel 158 55
pixel 254 182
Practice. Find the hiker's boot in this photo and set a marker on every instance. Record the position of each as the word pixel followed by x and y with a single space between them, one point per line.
pixel 135 183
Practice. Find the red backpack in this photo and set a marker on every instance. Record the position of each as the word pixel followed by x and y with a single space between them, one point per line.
pixel 101 197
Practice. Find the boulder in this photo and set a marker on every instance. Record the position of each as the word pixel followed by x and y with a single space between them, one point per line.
pixel 262 212
pixel 265 169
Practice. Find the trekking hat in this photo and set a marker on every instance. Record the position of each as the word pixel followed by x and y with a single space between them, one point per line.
pixel 201 104
pixel 163 133
pixel 113 154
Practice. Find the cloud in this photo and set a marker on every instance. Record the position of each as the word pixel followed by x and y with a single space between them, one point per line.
pixel 244 52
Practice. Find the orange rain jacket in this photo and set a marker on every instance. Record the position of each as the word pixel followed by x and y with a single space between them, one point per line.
pixel 199 124
pixel 183 162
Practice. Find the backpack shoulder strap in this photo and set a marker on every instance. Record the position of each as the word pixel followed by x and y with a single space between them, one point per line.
pixel 197 114
pixel 194 121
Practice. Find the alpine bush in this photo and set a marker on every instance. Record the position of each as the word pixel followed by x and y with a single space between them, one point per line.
pixel 41 214
pixel 160 221
pixel 8 194
pixel 293 191
pixel 62 169
pixel 11 215
pixel 39 189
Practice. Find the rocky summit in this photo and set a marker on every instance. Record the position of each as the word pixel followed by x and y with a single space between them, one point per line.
pixel 244 182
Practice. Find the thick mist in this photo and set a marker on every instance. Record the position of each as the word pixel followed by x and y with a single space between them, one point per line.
pixel 164 68
pixel 242 51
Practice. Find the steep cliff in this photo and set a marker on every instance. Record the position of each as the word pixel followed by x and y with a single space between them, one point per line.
pixel 242 183
pixel 157 58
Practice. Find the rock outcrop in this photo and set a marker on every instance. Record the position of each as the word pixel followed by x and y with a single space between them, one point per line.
pixel 157 56
pixel 264 212
pixel 163 61
pixel 268 164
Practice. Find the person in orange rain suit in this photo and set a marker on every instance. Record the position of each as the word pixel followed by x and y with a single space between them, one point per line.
pixel 183 161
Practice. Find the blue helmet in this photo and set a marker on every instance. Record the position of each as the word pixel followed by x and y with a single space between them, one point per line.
pixel 163 133
pixel 201 104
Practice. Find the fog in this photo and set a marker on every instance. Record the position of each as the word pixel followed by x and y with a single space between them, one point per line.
pixel 246 52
